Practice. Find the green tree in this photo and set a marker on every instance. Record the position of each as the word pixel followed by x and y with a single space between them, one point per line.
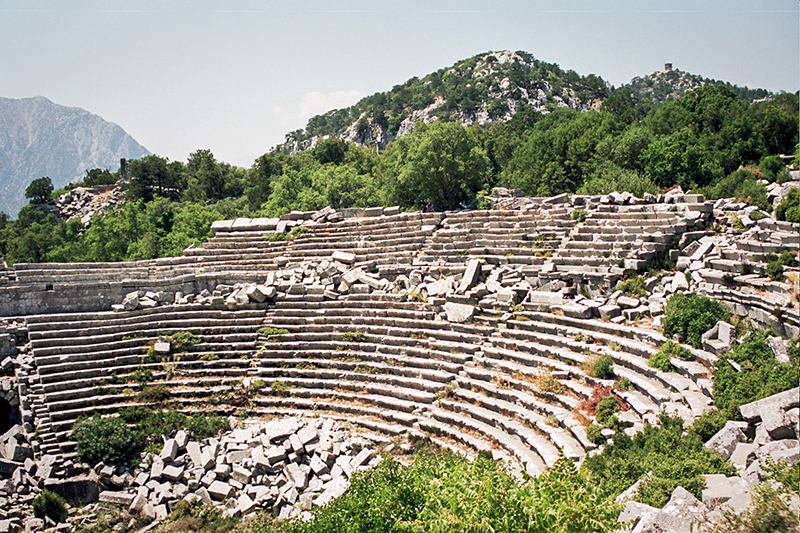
pixel 440 162
pixel 39 190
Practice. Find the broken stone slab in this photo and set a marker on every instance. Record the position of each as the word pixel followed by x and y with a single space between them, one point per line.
pixel 440 287
pixel 719 488
pixel 726 439
pixel 169 451
pixel 459 313
pixel 786 400
pixel 778 424
pixel 121 498
pixel 471 275
pixel 576 310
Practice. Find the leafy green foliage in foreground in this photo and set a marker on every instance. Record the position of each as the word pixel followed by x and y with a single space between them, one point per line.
pixel 447 493
pixel 675 460
pixel 761 374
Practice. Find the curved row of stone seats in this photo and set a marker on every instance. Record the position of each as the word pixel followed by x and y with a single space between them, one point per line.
pixel 369 238
pixel 85 361
pixel 148 270
pixel 690 386
pixel 498 236
pixel 305 360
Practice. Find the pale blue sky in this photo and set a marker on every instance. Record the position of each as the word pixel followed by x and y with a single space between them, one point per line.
pixel 235 76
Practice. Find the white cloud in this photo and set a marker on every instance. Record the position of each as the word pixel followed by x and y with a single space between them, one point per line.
pixel 316 103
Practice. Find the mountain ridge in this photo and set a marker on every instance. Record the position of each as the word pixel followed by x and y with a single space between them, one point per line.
pixel 471 92
pixel 41 138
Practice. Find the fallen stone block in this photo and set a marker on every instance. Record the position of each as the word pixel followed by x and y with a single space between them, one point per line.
pixel 574 310
pixel 343 257
pixel 786 400
pixel 219 490
pixel 459 313
pixel 121 498
pixel 726 439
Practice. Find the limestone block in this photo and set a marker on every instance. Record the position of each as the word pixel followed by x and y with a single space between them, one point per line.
pixel 778 424
pixel 242 475
pixel 440 287
pixel 626 302
pixel 307 434
pixel 244 504
pixel 296 475
pixel 169 451
pixel 506 296
pixel 121 498
pixel 679 282
pixel 576 310
pixel 219 490
pixel 786 400
pixel 393 210
pixel 471 275
pixel 459 313
pixel 172 473
pixel 343 257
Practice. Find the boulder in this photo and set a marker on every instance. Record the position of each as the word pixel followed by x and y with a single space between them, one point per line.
pixel 726 439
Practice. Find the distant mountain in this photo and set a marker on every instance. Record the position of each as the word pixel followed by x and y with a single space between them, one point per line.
pixel 39 138
pixel 488 87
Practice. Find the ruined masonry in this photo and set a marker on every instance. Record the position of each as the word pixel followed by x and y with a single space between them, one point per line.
pixel 471 328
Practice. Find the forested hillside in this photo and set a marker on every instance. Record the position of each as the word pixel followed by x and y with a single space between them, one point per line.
pixel 709 140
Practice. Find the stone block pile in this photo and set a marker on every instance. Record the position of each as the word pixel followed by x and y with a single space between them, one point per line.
pixel 286 466
pixel 768 434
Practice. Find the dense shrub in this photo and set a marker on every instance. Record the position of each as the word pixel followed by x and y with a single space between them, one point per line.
pixel 103 439
pixel 606 410
pixel 690 316
pixel 789 209
pixel 661 359
pixel 761 374
pixel 603 367
pixel 595 434
pixel 449 493
pixel 708 424
pixel 633 286
pixel 51 505
pixel 183 339
pixel 676 459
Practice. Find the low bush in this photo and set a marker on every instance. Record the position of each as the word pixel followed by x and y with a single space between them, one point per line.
pixel 789 208
pixel 154 394
pixel 633 286
pixel 761 374
pixel 183 339
pixel 708 424
pixel 103 439
pixel 604 367
pixel 579 215
pixel 690 316
pixel 661 361
pixel 50 505
pixel 606 410
pixel 353 336
pixel 267 331
pixel 676 459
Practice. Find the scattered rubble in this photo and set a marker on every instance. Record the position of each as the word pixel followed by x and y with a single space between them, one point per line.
pixel 769 433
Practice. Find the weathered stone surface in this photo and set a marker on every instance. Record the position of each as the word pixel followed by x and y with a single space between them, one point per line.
pixel 752 412
pixel 726 439
pixel 459 313
pixel 219 490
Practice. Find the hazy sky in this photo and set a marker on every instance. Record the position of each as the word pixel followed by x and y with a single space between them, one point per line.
pixel 235 76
